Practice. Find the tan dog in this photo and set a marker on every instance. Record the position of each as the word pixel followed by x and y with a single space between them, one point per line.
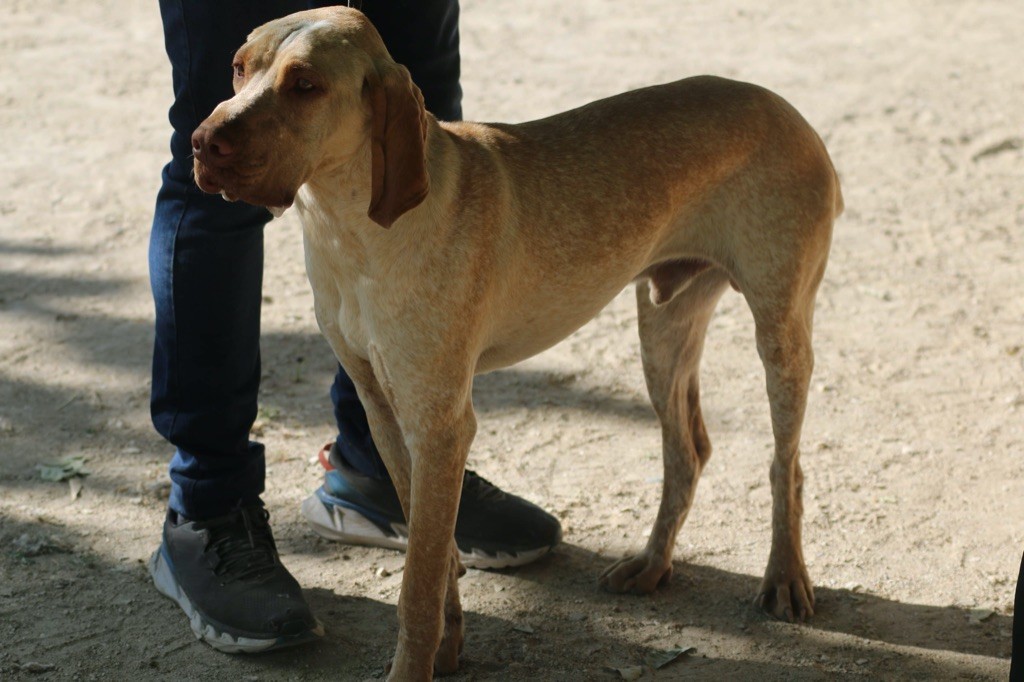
pixel 504 239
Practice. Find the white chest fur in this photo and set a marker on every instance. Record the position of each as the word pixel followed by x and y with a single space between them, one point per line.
pixel 336 268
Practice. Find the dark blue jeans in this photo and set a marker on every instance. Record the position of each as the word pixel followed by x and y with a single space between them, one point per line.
pixel 206 255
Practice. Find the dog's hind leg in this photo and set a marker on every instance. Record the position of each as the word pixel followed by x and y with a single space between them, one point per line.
pixel 672 339
pixel 783 307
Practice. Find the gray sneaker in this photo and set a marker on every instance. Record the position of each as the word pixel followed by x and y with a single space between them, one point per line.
pixel 494 529
pixel 226 576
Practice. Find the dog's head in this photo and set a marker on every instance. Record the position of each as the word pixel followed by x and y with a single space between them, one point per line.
pixel 315 92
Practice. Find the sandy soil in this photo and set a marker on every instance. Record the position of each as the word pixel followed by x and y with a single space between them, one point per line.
pixel 915 484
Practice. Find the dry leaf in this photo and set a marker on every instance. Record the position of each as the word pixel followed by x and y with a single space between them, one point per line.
pixel 63 469
pixel 662 658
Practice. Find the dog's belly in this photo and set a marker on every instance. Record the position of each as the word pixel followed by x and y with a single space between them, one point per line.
pixel 539 324
pixel 516 350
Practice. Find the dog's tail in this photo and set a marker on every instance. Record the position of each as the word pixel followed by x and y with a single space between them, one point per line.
pixel 839 203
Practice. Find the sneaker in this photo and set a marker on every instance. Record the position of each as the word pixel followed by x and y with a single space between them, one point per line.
pixel 494 529
pixel 226 576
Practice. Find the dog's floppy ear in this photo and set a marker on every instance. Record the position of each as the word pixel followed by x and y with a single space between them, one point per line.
pixel 399 180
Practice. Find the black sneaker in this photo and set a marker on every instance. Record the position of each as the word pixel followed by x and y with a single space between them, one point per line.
pixel 494 529
pixel 226 575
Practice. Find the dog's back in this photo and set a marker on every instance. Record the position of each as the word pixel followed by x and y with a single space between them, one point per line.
pixel 664 174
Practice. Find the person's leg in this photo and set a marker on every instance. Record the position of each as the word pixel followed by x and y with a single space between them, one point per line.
pixel 357 503
pixel 217 559
pixel 422 35
pixel 206 271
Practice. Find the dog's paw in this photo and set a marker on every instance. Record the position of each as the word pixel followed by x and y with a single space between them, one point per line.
pixel 640 574
pixel 787 595
pixel 449 652
pixel 446 663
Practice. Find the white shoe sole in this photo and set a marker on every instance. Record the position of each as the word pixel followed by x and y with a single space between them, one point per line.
pixel 165 583
pixel 335 522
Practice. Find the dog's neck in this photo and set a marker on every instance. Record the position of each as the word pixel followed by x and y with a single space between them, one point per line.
pixel 319 199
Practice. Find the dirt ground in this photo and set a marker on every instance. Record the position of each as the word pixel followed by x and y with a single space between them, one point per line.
pixel 911 450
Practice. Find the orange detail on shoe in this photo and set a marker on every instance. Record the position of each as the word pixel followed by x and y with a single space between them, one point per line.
pixel 325 457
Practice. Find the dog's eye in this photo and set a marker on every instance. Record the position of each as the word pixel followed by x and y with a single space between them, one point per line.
pixel 239 70
pixel 303 84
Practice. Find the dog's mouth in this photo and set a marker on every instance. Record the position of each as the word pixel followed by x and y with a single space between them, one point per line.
pixel 213 179
pixel 235 185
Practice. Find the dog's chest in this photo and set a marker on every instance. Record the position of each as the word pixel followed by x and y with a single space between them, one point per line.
pixel 334 266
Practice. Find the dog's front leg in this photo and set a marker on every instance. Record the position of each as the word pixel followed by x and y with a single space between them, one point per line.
pixel 418 641
pixel 448 653
pixel 438 436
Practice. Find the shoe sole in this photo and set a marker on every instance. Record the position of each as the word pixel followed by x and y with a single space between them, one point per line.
pixel 342 524
pixel 204 630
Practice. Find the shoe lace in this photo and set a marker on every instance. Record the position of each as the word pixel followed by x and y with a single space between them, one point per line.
pixel 480 488
pixel 243 552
